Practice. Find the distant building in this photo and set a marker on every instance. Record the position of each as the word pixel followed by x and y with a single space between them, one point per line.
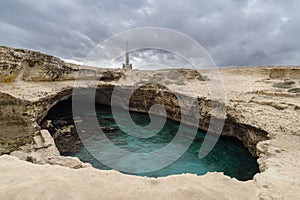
pixel 127 65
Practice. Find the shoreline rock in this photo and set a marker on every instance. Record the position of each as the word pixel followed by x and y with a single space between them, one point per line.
pixel 44 151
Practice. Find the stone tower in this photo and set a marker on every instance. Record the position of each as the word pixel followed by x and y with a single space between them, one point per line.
pixel 127 65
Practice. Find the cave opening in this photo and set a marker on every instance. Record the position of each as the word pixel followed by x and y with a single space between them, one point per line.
pixel 228 156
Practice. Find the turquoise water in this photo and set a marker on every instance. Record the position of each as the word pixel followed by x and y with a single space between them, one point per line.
pixel 228 156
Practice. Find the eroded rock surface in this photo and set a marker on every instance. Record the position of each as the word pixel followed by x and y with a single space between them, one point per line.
pixel 259 113
pixel 56 182
pixel 44 151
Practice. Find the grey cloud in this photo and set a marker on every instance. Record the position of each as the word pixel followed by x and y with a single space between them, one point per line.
pixel 234 32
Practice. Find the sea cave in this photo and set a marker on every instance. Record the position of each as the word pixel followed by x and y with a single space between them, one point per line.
pixel 229 155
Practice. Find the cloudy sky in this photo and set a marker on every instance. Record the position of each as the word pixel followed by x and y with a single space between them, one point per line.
pixel 234 32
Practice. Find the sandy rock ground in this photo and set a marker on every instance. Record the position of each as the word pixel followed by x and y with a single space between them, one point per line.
pixel 24 180
pixel 251 98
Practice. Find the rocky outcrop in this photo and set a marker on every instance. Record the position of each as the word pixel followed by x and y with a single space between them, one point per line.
pixel 21 64
pixel 285 73
pixel 21 106
pixel 20 118
pixel 44 151
pixel 32 66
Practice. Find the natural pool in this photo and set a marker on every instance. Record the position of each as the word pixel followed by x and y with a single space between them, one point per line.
pixel 228 156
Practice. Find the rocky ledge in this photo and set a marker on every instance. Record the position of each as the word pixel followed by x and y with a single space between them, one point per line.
pixel 262 110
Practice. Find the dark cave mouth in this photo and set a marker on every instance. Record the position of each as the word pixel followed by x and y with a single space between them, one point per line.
pixel 228 156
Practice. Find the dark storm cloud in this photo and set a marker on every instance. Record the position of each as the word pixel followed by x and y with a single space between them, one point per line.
pixel 233 32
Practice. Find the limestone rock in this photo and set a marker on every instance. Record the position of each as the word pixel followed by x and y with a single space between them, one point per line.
pixel 32 66
pixel 263 117
pixel 44 151
pixel 71 162
pixel 283 73
pixel 27 181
